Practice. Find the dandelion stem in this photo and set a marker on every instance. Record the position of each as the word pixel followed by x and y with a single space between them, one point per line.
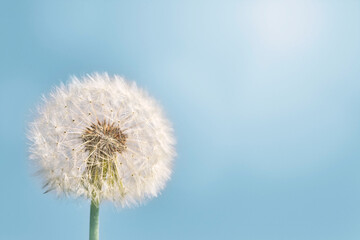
pixel 94 221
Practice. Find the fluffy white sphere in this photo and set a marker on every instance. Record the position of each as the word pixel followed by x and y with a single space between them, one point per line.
pixel 102 138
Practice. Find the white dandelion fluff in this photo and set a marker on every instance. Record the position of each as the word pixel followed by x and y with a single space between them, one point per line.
pixel 102 138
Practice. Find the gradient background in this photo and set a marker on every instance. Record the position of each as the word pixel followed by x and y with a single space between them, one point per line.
pixel 264 97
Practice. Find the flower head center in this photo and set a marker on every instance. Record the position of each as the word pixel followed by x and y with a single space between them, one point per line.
pixel 103 139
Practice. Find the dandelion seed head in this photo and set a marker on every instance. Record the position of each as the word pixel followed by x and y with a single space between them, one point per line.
pixel 103 138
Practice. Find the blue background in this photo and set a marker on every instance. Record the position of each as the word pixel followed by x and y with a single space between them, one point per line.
pixel 264 97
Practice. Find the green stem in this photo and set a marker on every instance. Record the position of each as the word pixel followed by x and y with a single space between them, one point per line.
pixel 94 221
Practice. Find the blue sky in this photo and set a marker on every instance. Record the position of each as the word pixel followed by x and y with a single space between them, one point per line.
pixel 263 94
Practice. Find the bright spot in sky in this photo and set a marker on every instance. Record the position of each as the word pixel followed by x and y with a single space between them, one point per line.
pixel 282 24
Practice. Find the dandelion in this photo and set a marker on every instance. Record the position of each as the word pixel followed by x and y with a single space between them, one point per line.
pixel 102 138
